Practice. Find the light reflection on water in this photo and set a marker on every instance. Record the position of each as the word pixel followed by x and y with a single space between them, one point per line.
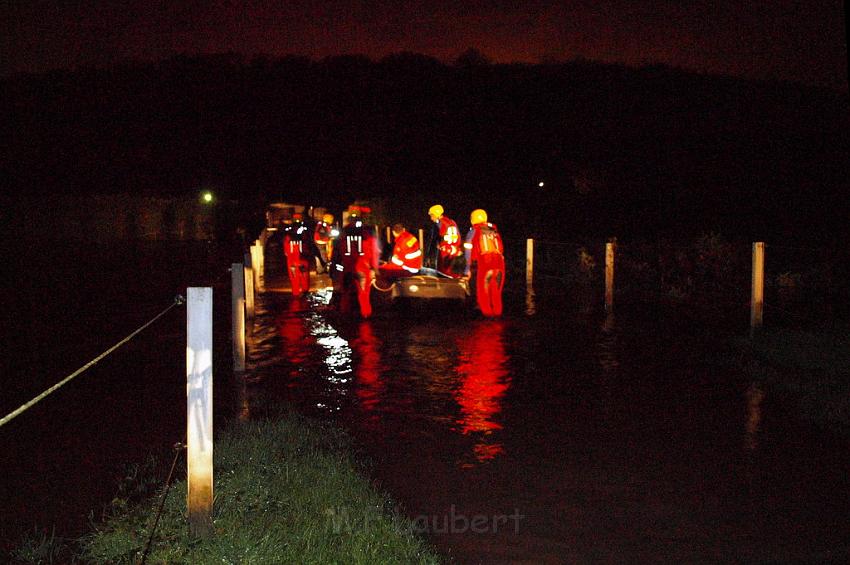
pixel 452 372
pixel 596 425
pixel 483 380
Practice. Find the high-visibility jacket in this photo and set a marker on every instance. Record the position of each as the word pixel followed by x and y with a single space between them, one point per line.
pixel 356 249
pixel 449 244
pixel 295 243
pixel 406 252
pixel 322 233
pixel 482 240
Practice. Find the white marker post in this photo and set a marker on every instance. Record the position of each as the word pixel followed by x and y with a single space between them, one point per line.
pixel 238 316
pixel 609 277
pixel 249 292
pixel 199 410
pixel 757 299
pixel 258 265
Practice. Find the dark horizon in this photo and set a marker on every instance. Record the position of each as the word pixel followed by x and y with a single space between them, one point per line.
pixel 621 151
pixel 790 41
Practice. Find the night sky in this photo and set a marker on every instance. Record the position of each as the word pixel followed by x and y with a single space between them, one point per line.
pixel 794 40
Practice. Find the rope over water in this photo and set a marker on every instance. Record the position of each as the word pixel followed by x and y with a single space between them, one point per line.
pixel 178 300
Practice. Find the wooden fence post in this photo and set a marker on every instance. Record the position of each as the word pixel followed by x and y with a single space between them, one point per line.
pixel 609 277
pixel 199 410
pixel 757 298
pixel 258 264
pixel 529 262
pixel 238 316
pixel 249 293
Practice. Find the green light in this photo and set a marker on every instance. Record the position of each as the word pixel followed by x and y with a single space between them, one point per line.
pixel 207 197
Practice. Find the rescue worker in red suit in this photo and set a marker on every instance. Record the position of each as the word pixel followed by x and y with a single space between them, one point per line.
pixel 448 244
pixel 297 246
pixel 355 260
pixel 485 260
pixel 322 238
pixel 407 256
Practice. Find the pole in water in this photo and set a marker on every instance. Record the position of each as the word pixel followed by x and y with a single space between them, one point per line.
pixel 609 276
pixel 757 299
pixel 237 310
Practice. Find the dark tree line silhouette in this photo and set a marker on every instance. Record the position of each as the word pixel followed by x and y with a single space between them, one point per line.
pixel 627 151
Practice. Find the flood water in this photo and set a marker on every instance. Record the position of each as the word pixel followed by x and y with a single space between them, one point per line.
pixel 556 434
pixel 562 435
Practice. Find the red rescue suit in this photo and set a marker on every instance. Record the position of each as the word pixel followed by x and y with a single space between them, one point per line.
pixel 406 258
pixel 297 253
pixel 449 246
pixel 355 259
pixel 322 237
pixel 485 258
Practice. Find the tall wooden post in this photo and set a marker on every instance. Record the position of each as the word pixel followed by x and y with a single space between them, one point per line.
pixel 199 410
pixel 757 298
pixel 238 316
pixel 389 233
pixel 609 276
pixel 249 293
pixel 258 265
pixel 529 262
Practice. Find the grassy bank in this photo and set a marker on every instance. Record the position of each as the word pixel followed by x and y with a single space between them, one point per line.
pixel 812 367
pixel 286 491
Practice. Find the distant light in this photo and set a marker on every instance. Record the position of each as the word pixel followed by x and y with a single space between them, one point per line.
pixel 540 184
pixel 334 232
pixel 207 196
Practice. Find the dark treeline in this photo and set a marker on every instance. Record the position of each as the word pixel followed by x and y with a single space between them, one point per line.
pixel 632 152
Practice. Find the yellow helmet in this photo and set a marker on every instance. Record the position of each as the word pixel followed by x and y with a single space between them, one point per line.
pixel 478 216
pixel 435 210
pixel 328 218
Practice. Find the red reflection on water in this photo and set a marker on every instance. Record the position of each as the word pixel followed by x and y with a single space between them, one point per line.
pixel 482 368
pixel 367 370
pixel 295 339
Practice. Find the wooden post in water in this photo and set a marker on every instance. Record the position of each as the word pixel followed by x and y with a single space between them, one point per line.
pixel 529 262
pixel 238 316
pixel 757 298
pixel 199 410
pixel 609 277
pixel 258 265
pixel 249 293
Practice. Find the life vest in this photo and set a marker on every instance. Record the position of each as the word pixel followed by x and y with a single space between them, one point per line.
pixel 322 233
pixel 357 248
pixel 482 241
pixel 406 252
pixel 449 238
pixel 293 242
